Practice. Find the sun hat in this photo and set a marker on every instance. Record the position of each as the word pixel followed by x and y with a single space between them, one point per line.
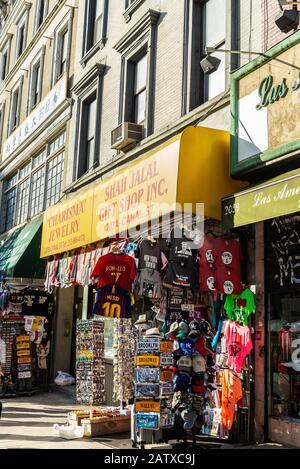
pixel 153 332
pixel 173 328
pixel 142 320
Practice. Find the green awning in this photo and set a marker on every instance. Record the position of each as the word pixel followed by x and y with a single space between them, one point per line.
pixel 274 198
pixel 20 252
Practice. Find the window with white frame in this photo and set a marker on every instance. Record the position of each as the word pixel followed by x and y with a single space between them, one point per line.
pixel 140 90
pixel 21 37
pixel 35 92
pixel 35 186
pixel 41 12
pixel 61 53
pixel 15 108
pixel 2 110
pixel 88 120
pixel 4 62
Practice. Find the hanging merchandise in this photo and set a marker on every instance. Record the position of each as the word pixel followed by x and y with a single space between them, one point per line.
pixel 124 342
pixel 90 368
pixel 207 266
pixel 231 394
pixel 239 307
pixel 151 263
pixel 238 344
pixel 227 255
pixel 182 266
pixel 115 268
pixel 113 302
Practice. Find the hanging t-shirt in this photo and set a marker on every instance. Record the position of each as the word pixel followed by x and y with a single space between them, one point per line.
pixel 182 267
pixel 115 269
pixel 228 281
pixel 239 307
pixel 207 265
pixel 151 256
pixel 149 283
pixel 227 252
pixel 113 302
pixel 238 344
pixel 231 393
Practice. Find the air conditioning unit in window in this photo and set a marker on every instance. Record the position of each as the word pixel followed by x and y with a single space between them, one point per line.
pixel 126 135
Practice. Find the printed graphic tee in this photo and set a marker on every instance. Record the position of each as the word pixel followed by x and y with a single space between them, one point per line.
pixel 227 252
pixel 207 265
pixel 182 268
pixel 151 262
pixel 115 269
pixel 231 394
pixel 238 344
pixel 239 307
pixel 113 302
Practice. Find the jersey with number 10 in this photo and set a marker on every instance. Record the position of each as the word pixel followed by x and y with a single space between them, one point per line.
pixel 113 302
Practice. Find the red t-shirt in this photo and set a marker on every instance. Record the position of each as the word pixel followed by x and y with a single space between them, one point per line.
pixel 206 252
pixel 207 277
pixel 227 252
pixel 228 281
pixel 115 269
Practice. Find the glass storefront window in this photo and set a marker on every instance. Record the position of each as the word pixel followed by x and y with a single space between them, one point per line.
pixel 284 354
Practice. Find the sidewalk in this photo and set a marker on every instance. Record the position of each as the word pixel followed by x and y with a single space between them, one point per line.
pixel 27 423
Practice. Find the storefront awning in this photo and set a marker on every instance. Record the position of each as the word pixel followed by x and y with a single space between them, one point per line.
pixel 190 168
pixel 20 252
pixel 274 198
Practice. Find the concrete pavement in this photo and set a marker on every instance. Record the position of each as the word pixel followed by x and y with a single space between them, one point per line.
pixel 27 422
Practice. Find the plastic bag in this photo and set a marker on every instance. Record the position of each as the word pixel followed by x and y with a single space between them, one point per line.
pixel 68 432
pixel 64 379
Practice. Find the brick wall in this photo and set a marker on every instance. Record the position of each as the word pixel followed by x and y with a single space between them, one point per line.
pixel 271 34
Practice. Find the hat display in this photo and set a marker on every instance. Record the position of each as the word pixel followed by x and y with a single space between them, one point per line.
pixel 184 364
pixel 173 328
pixel 198 385
pixel 153 332
pixel 199 364
pixel 142 320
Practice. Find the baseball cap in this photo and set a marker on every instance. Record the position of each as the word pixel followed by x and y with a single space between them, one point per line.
pixel 195 329
pixel 199 364
pixel 187 347
pixel 182 382
pixel 198 385
pixel 183 330
pixel 185 364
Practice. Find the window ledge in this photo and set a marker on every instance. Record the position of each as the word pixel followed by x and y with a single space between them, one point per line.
pixel 98 46
pixel 131 9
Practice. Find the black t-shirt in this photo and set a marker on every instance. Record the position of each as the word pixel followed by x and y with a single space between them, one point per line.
pixel 182 267
pixel 150 256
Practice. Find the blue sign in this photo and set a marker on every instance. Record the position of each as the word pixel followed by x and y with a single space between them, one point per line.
pixel 147 421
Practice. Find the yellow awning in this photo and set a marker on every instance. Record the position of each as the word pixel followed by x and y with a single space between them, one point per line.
pixel 190 168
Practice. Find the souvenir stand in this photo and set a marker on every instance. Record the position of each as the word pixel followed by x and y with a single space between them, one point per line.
pixel 25 340
pixel 183 335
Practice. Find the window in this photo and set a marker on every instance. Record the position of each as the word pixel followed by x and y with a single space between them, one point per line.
pixel 137 83
pixel 2 110
pixel 35 85
pixel 94 17
pixel 20 39
pixel 15 104
pixel 4 63
pixel 54 179
pixel 61 55
pixel 140 84
pixel 214 36
pixel 89 94
pixel 36 185
pixel 41 11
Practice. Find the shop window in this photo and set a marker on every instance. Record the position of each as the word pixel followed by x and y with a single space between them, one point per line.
pixel 109 337
pixel 95 25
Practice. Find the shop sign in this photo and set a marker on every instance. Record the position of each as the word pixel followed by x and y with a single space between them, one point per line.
pixel 265 107
pixel 22 360
pixel 148 345
pixel 144 190
pixel 277 197
pixel 147 421
pixel 147 406
pixel 166 346
pixel 36 118
pixel 166 359
pixel 146 390
pixel 147 375
pixel 166 376
pixel 24 374
pixel 166 389
pixel 147 360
